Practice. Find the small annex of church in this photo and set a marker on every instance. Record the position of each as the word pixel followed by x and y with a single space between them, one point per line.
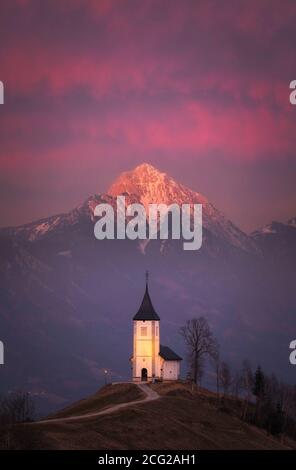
pixel 150 359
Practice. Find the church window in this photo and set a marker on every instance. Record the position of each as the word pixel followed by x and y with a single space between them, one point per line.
pixel 143 330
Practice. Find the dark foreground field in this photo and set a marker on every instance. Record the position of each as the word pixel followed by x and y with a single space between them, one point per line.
pixel 179 419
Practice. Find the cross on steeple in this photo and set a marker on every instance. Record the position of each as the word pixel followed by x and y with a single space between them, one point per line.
pixel 147 277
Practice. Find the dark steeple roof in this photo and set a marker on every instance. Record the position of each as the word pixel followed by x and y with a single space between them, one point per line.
pixel 146 310
pixel 168 354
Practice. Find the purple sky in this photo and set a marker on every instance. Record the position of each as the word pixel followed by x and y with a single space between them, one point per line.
pixel 93 88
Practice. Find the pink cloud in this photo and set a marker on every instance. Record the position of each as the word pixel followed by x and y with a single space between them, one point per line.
pixel 106 84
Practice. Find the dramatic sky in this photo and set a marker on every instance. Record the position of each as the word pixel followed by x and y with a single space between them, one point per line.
pixel 199 89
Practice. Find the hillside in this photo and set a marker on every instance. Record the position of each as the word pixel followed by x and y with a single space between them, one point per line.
pixel 178 419
pixel 107 396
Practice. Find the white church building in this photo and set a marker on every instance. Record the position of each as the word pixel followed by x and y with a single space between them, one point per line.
pixel 151 359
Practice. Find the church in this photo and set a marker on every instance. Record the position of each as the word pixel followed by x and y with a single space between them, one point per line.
pixel 150 359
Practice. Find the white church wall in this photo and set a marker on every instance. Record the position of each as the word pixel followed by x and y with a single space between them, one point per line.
pixel 171 370
pixel 146 348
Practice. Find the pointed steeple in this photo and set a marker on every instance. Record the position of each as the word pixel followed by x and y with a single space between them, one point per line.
pixel 146 310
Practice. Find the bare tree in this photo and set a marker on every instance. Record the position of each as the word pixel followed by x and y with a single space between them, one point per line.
pixel 21 407
pixel 247 385
pixel 272 390
pixel 17 407
pixel 217 366
pixel 200 370
pixel 225 377
pixel 200 342
pixel 288 402
pixel 236 385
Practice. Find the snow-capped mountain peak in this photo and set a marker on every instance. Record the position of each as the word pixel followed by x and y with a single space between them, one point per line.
pixel 146 185
pixel 149 185
pixel 292 222
pixel 275 228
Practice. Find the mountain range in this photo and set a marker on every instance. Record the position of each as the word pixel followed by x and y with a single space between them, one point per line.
pixel 67 299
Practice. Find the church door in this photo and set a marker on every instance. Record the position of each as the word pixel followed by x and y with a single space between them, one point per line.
pixel 144 375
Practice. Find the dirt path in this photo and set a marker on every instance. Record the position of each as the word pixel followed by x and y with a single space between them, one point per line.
pixel 150 395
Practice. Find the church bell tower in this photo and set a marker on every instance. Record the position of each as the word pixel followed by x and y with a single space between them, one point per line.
pixel 146 346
